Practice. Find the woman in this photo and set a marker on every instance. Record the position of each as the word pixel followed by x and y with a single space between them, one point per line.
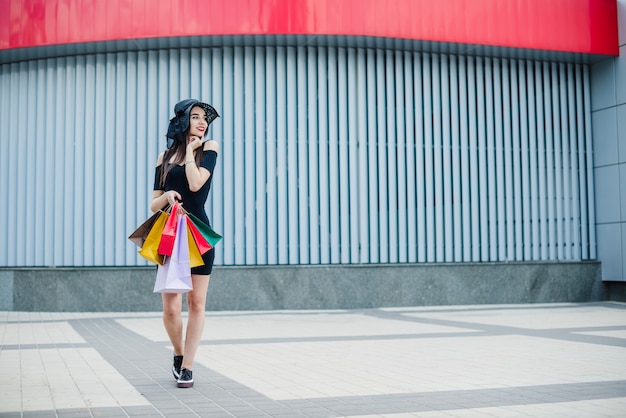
pixel 183 174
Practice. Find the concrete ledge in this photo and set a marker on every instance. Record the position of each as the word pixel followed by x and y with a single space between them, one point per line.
pixel 615 291
pixel 308 287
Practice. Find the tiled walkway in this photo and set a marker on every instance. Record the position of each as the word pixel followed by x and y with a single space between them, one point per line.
pixel 549 360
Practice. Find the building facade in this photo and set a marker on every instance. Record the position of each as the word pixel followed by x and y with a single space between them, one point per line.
pixel 377 134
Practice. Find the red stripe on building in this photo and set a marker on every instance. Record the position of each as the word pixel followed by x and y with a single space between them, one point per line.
pixel 581 26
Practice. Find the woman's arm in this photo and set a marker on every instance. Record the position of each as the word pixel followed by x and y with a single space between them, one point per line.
pixel 160 199
pixel 197 176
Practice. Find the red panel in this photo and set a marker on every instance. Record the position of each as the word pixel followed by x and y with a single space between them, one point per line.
pixel 583 26
pixel 603 26
pixel 5 24
pixel 136 19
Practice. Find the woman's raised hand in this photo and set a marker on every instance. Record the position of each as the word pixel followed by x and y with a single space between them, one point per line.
pixel 194 143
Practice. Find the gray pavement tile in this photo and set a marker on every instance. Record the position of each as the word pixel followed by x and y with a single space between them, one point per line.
pixel 318 413
pixel 198 409
pixel 108 412
pixel 230 400
pixel 252 398
pixel 171 407
pixel 358 401
pixel 218 412
pixel 269 404
pixel 275 410
pixel 204 408
pixel 285 414
pixel 346 410
pixel 227 404
pixel 172 402
pixel 144 363
pixel 242 412
pixel 327 402
pixel 300 403
pixel 148 409
pixel 73 413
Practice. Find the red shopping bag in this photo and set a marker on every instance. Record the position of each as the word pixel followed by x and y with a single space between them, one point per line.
pixel 169 232
pixel 201 242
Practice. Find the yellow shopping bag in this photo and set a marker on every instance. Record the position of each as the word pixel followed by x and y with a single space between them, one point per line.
pixel 150 248
pixel 195 258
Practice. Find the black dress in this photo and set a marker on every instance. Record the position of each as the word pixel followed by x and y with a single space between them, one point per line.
pixel 193 202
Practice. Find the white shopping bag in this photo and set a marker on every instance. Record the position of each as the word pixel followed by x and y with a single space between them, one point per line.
pixel 174 276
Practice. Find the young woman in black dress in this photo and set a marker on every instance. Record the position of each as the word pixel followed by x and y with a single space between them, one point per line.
pixel 183 173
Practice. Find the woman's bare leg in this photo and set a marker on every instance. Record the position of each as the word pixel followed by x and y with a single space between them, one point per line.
pixel 173 320
pixel 196 300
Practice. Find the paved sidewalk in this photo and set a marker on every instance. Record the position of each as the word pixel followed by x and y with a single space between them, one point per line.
pixel 547 360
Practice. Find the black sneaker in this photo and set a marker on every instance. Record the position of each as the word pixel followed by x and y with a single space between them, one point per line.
pixel 186 379
pixel 178 363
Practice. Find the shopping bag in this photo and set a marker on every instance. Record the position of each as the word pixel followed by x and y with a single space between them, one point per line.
pixel 150 247
pixel 138 237
pixel 201 242
pixel 195 258
pixel 174 276
pixel 209 234
pixel 168 234
pixel 166 281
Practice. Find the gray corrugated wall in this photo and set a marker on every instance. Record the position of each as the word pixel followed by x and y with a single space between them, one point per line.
pixel 328 155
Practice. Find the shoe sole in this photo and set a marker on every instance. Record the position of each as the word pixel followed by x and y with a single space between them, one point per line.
pixel 185 384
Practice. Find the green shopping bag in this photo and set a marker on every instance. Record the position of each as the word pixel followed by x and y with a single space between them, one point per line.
pixel 210 235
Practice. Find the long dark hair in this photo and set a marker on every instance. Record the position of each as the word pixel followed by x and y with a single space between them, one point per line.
pixel 177 154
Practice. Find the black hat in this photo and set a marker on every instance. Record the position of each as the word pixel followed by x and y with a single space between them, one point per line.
pixel 179 124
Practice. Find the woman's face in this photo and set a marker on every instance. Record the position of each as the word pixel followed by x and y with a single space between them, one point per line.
pixel 198 124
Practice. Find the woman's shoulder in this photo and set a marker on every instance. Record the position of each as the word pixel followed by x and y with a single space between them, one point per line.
pixel 160 159
pixel 211 145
